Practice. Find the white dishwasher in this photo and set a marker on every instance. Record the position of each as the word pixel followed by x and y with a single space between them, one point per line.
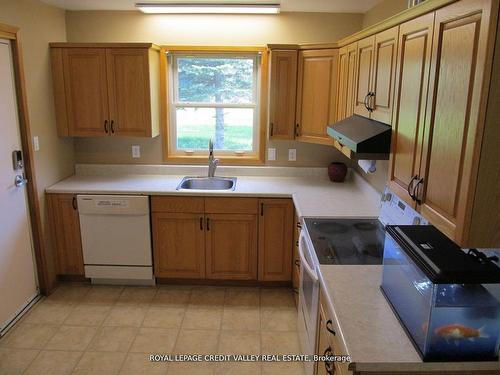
pixel 116 239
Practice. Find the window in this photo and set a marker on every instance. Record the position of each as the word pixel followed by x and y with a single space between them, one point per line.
pixel 214 96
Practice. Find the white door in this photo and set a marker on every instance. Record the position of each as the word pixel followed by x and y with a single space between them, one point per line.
pixel 18 282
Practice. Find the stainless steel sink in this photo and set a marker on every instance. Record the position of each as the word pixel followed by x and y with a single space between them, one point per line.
pixel 207 183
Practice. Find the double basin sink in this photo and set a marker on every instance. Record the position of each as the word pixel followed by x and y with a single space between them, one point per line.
pixel 207 183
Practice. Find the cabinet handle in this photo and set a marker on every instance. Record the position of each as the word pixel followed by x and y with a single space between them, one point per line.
pixel 201 223
pixel 271 130
pixel 365 102
pixel 329 327
pixel 410 193
pixel 208 224
pixel 262 209
pixel 299 225
pixel 297 263
pixel 297 128
pixel 106 126
pixel 328 364
pixel 415 191
pixel 74 204
pixel 370 95
pixel 297 243
pixel 112 126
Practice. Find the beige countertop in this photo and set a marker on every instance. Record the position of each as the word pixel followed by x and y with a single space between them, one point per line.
pixel 369 330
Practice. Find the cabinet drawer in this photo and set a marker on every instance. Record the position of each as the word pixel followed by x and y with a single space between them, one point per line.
pixel 231 205
pixel 177 204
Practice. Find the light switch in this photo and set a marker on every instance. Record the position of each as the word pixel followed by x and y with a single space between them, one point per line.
pixel 136 151
pixel 292 154
pixel 36 143
pixel 271 154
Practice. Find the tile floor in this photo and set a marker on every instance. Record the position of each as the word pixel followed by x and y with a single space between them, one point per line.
pixel 82 329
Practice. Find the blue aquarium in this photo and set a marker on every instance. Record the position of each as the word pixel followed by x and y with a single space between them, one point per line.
pixel 457 321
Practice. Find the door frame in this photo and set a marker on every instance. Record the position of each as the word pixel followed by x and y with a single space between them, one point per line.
pixel 11 33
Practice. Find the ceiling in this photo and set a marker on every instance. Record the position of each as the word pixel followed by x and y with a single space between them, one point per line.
pixel 334 6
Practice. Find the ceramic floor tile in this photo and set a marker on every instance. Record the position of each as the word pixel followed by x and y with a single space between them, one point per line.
pixel 103 294
pixel 238 318
pixel 279 319
pixel 164 317
pixel 190 368
pixel 88 315
pixel 15 361
pixel 68 293
pixel 280 342
pixel 207 296
pixel 126 316
pixel 282 368
pixel 48 313
pixel 139 363
pixel 113 339
pixel 276 298
pixel 99 363
pixel 243 297
pixel 196 342
pixel 71 338
pixel 137 295
pixel 197 317
pixel 54 363
pixel 240 368
pixel 154 340
pixel 29 336
pixel 172 296
pixel 239 342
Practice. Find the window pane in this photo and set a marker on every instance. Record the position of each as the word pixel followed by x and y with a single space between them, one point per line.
pixel 230 128
pixel 215 80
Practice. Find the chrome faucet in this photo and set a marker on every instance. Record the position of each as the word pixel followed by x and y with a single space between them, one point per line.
pixel 212 162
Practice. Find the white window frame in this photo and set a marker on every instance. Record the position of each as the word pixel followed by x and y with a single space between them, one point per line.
pixel 174 103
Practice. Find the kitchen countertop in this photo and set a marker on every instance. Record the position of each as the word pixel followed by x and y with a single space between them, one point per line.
pixel 312 192
pixel 369 330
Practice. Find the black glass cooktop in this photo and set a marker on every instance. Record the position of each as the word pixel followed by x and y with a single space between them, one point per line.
pixel 347 241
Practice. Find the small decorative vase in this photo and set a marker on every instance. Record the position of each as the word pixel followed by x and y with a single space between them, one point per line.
pixel 337 172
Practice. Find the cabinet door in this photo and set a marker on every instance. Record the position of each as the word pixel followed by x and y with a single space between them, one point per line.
pixel 412 78
pixel 231 243
pixel 384 68
pixel 364 71
pixel 316 94
pixel 65 226
pixel 86 93
pixel 129 91
pixel 346 81
pixel 451 141
pixel 323 346
pixel 282 94
pixel 275 239
pixel 179 245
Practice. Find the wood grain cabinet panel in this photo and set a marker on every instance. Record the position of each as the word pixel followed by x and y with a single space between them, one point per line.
pixel 275 239
pixel 364 64
pixel 346 81
pixel 178 245
pixel 283 89
pixel 65 226
pixel 231 246
pixel 413 64
pixel 316 94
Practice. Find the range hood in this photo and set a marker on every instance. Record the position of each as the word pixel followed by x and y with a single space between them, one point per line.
pixel 369 139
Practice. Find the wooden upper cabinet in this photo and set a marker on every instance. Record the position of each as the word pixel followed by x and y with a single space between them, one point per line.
pixel 106 89
pixel 384 68
pixel 178 245
pixel 231 246
pixel 455 119
pixel 346 81
pixel 283 89
pixel 66 238
pixel 316 94
pixel 364 64
pixel 85 91
pixel 275 239
pixel 412 78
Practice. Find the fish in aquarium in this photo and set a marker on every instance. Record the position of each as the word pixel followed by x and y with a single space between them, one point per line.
pixel 458 332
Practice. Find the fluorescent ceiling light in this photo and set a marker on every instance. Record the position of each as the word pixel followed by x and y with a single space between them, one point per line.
pixel 201 8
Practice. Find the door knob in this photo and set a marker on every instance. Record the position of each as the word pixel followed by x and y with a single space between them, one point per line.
pixel 20 181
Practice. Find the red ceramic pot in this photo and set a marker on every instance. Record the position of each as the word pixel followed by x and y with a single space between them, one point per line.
pixel 337 172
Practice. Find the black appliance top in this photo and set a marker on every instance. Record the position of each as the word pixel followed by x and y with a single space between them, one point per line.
pixel 347 241
pixel 442 261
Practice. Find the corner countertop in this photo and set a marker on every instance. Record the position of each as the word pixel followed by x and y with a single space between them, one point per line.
pixel 369 330
pixel 314 195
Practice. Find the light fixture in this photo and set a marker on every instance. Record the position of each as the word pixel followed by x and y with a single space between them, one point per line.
pixel 201 8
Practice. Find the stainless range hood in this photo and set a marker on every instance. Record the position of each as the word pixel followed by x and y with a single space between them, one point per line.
pixel 369 139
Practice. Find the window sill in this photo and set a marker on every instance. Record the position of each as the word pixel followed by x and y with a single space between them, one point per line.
pixel 224 160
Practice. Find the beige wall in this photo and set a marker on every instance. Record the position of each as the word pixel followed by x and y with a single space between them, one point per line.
pixel 383 10
pixel 112 26
pixel 40 24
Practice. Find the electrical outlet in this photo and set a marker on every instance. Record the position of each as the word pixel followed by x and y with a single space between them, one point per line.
pixel 36 143
pixel 136 151
pixel 292 154
pixel 271 154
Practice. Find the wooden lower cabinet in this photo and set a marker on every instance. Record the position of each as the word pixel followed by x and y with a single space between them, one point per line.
pixel 65 226
pixel 275 239
pixel 231 246
pixel 179 245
